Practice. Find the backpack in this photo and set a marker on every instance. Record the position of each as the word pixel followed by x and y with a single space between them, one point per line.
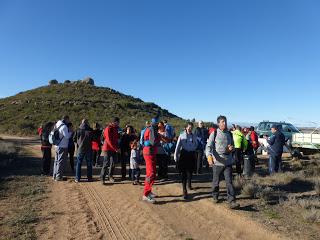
pixel 170 131
pixel 54 136
pixel 142 137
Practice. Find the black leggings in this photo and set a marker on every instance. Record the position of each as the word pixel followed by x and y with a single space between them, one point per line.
pixel 71 158
pixel 96 156
pixel 186 177
pixel 46 160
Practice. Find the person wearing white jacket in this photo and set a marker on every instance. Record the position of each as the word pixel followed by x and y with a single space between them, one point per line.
pixel 61 150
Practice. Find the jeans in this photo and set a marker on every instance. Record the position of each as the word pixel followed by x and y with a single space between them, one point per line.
pixel 88 156
pixel 135 173
pixel 108 166
pixel 217 172
pixel 275 164
pixel 59 162
pixel 238 155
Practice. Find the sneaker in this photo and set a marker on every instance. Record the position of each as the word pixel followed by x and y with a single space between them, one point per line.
pixel 134 183
pixel 234 205
pixel 76 180
pixel 57 179
pixel 185 195
pixel 148 199
pixel 111 179
pixel 153 195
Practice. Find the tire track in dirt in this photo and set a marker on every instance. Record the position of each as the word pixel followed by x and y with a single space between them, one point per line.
pixel 93 211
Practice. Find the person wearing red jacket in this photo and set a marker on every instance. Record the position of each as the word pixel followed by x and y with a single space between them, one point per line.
pixel 254 139
pixel 150 142
pixel 110 148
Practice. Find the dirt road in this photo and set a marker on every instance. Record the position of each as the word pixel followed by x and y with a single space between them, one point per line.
pixel 94 211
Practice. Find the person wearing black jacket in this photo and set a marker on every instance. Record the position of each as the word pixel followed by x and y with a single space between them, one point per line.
pixel 71 147
pixel 46 147
pixel 275 149
pixel 83 138
pixel 125 148
pixel 202 134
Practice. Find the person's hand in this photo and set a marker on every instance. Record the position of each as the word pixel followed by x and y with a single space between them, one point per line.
pixel 210 160
pixel 118 150
pixel 230 148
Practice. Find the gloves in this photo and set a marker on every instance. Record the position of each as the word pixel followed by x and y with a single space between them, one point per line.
pixel 210 160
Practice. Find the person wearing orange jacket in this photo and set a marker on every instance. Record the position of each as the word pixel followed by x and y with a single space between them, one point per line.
pixel 150 141
pixel 110 148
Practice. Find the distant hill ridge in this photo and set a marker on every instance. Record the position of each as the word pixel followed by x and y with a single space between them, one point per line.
pixel 26 111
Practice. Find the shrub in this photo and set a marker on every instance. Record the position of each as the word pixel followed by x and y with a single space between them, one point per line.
pixel 53 82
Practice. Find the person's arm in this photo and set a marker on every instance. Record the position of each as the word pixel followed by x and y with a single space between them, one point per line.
pixel 271 140
pixel 152 137
pixel 211 152
pixel 65 132
pixel 177 150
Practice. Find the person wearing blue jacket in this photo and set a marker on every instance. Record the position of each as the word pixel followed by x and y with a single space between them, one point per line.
pixel 275 149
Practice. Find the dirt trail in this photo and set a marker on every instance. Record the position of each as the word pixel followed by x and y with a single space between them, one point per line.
pixel 94 211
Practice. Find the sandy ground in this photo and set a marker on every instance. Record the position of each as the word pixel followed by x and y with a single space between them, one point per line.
pixel 95 211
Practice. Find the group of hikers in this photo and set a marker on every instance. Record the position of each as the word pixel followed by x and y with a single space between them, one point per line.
pixel 217 147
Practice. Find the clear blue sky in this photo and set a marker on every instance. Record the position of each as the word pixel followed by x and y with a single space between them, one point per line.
pixel 251 60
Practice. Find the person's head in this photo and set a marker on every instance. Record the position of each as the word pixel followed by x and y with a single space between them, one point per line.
pixel 134 144
pixel 129 130
pixel 222 122
pixel 85 122
pixel 200 124
pixel 95 126
pixel 116 121
pixel 189 127
pixel 155 121
pixel 252 128
pixel 238 128
pixel 48 126
pixel 66 119
pixel 161 126
pixel 69 125
pixel 274 128
pixel 148 123
pixel 165 121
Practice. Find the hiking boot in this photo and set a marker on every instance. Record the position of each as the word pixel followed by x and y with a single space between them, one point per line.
pixel 134 183
pixel 148 199
pixel 111 179
pixel 234 205
pixel 215 199
pixel 103 182
pixel 153 195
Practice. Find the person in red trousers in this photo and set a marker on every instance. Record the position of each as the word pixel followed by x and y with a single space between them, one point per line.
pixel 150 141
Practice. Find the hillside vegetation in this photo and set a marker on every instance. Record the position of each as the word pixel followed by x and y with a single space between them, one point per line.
pixel 25 112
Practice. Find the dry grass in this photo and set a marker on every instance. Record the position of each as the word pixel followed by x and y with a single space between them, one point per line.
pixel 311 215
pixel 249 190
pixel 316 182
